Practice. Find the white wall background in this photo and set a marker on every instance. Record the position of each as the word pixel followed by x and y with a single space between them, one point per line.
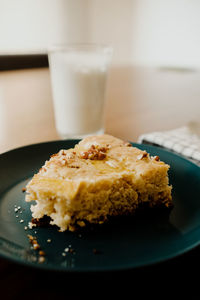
pixel 167 32
pixel 145 32
pixel 32 25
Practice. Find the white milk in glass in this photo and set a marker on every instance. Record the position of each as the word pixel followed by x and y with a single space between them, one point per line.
pixel 78 86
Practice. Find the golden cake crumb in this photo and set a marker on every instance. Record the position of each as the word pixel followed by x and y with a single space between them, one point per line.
pixel 101 176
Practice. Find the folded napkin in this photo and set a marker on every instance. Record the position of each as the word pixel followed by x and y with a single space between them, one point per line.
pixel 184 140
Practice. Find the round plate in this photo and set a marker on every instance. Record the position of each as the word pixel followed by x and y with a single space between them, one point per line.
pixel 121 244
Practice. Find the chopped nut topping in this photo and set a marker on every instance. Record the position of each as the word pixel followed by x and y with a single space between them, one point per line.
pixel 142 155
pixel 156 158
pixel 103 149
pixel 63 156
pixel 101 155
pixel 84 155
pixel 62 152
pixel 42 169
pixel 94 153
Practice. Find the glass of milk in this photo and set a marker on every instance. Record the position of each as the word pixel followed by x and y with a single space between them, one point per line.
pixel 78 80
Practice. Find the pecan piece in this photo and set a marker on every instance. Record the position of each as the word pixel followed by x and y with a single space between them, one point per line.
pixel 101 155
pixel 142 155
pixel 156 158
pixel 84 155
pixel 94 153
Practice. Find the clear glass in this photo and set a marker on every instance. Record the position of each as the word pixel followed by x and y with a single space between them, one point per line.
pixel 78 80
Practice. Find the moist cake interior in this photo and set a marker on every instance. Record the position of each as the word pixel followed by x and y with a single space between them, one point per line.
pixel 101 176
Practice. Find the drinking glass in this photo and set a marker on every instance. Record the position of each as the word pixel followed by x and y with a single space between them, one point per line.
pixel 78 79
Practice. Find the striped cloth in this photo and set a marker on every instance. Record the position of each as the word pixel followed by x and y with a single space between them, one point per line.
pixel 184 140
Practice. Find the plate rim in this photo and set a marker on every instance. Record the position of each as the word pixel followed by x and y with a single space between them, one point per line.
pixel 117 268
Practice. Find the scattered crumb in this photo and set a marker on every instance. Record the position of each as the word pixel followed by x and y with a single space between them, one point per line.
pixel 19 207
pixel 31 238
pixel 31 225
pixel 17 216
pixel 23 190
pixel 25 227
pixel 33 241
pixel 36 246
pixel 63 254
pixel 41 259
pixel 42 253
pixel 21 221
pixel 68 250
pixel 16 209
pixel 49 241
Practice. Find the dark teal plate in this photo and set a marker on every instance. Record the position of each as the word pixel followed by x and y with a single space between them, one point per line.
pixel 122 244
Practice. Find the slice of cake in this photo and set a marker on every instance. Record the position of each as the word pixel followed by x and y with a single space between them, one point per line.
pixel 101 176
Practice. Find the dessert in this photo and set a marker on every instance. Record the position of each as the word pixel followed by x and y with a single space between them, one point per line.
pixel 101 176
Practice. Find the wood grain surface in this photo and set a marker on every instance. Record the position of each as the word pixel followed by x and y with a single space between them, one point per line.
pixel 139 100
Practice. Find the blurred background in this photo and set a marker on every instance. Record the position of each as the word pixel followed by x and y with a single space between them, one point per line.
pixel 143 32
pixel 154 77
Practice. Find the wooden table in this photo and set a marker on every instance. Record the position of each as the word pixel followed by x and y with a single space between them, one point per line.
pixel 138 100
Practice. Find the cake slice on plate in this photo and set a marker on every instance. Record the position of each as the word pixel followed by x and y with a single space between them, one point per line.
pixel 101 176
